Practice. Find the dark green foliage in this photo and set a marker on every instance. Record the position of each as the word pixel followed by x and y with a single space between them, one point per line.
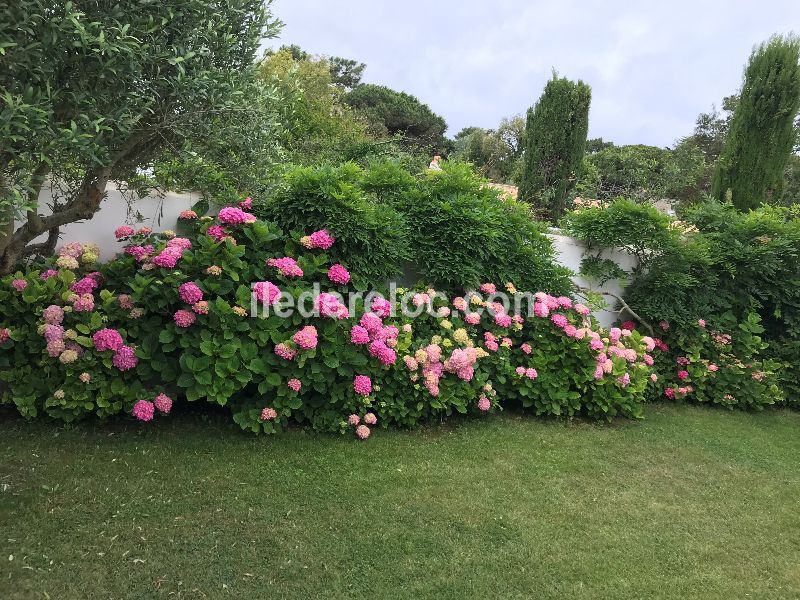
pixel 464 235
pixel 454 231
pixel 398 113
pixel 642 172
pixel 639 229
pixel 762 136
pixel 555 141
pixel 346 72
pixel 737 263
pixel 371 236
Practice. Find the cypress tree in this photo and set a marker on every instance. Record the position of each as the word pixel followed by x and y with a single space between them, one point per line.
pixel 555 141
pixel 761 138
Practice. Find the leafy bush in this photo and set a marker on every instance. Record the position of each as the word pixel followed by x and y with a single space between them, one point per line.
pixel 372 236
pixel 711 366
pixel 641 173
pixel 463 233
pixel 720 265
pixel 485 237
pixel 167 320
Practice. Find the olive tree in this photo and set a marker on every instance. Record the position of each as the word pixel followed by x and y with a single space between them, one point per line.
pixel 92 92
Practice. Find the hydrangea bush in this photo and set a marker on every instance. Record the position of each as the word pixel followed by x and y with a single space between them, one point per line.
pixel 169 320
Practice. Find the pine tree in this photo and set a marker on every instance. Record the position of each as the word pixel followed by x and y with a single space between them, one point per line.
pixel 555 141
pixel 761 138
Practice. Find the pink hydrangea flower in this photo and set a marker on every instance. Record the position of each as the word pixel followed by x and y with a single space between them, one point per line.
pixel 520 371
pixel 143 410
pixel 624 380
pixel 269 414
pixel 19 284
pixel 187 215
pixel 266 292
pixel 472 318
pixel 144 231
pixel 321 239
pixel 559 320
pixel 381 307
pixel 502 319
pixel 370 419
pixel 669 393
pixel 48 274
pixel 184 318
pixel 328 305
pixel 53 314
pixel 596 344
pixel 200 308
pixel 484 404
pixel 73 249
pixel 286 266
pixel 123 231
pixel 180 243
pixel 338 274
pixel 53 332
pixel 294 384
pixel 701 322
pixel 359 335
pixel 85 377
pixel 411 363
pixel 540 309
pixel 362 432
pixel 488 288
pixel 125 301
pixel 713 368
pixel 664 325
pixel 362 385
pixel 190 293
pixel 531 373
pixel 683 375
pixel 246 204
pixel 382 352
pixel 125 358
pixel 168 258
pixel 354 420
pixel 235 216
pixel 371 322
pixel 163 403
pixel 107 339
pixel 306 338
pixel 582 309
pixel 564 302
pixel 285 351
pixel 217 232
pixel 83 303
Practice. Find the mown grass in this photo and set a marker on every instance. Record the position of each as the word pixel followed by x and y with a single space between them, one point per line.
pixel 690 503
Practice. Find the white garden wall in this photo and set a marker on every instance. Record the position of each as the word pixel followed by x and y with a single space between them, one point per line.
pixel 158 213
pixel 570 253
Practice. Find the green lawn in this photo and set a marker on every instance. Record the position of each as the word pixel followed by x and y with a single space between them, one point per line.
pixel 690 503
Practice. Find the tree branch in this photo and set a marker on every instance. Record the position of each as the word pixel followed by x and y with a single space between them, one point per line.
pixel 622 303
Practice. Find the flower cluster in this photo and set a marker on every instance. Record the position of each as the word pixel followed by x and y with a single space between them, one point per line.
pixel 319 239
pixel 286 266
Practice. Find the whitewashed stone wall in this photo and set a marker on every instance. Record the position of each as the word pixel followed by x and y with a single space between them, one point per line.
pixel 156 212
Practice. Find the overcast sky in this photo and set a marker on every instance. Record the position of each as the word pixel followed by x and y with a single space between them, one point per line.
pixel 653 65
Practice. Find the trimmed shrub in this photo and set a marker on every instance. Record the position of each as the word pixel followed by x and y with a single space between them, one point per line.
pixel 452 228
pixel 465 234
pixel 555 141
pixel 373 238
